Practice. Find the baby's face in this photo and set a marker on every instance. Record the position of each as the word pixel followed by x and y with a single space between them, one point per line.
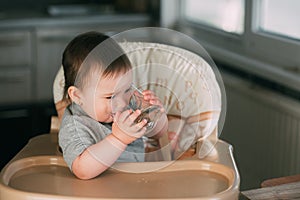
pixel 97 96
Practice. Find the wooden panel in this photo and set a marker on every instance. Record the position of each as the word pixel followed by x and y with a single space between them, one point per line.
pixel 285 191
pixel 280 181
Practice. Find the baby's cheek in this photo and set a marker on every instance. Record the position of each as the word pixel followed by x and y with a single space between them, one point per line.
pixel 100 114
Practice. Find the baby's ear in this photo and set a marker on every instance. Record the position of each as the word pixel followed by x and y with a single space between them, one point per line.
pixel 74 94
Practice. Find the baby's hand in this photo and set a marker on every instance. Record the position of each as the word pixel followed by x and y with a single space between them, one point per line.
pixel 125 129
pixel 162 122
pixel 152 99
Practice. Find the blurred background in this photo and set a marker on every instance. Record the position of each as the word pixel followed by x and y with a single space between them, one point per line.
pixel 255 45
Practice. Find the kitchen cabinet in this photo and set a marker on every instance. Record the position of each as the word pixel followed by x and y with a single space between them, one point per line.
pixel 30 56
pixel 31 51
pixel 51 42
pixel 50 46
pixel 16 64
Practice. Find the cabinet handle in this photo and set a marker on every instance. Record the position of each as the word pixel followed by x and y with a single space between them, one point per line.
pixel 65 38
pixel 57 38
pixel 9 114
pixel 12 41
pixel 12 79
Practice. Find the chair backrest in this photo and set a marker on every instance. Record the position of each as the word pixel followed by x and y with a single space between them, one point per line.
pixel 184 82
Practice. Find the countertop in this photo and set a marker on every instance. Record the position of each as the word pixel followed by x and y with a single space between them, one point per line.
pixel 33 18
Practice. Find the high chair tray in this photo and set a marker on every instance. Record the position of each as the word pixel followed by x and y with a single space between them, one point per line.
pixel 49 177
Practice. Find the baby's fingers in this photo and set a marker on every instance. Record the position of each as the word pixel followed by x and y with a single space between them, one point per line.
pixel 155 101
pixel 121 117
pixel 140 125
pixel 147 93
pixel 149 96
pixel 140 128
pixel 132 117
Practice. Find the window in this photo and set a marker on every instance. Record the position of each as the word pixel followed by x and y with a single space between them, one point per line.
pixel 280 17
pixel 227 15
pixel 261 37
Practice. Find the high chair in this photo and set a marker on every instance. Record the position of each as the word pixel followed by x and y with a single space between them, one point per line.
pixel 170 79
pixel 198 165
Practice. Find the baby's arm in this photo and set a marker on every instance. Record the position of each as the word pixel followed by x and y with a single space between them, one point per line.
pixel 98 157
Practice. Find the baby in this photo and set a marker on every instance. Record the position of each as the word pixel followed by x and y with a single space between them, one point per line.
pixel 93 135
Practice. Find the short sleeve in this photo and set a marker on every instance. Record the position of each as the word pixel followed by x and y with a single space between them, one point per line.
pixel 76 134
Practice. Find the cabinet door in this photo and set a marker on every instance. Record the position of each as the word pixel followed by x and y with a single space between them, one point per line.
pixel 15 86
pixel 15 48
pixel 50 46
pixel 15 66
pixel 51 43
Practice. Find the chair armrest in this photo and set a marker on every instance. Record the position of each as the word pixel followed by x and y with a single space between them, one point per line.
pixel 55 124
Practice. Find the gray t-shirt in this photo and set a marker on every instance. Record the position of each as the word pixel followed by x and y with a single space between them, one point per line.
pixel 78 131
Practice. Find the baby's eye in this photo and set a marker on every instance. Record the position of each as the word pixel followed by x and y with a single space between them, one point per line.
pixel 128 90
pixel 110 97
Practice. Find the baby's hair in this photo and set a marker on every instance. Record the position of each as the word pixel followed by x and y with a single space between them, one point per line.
pixel 92 50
